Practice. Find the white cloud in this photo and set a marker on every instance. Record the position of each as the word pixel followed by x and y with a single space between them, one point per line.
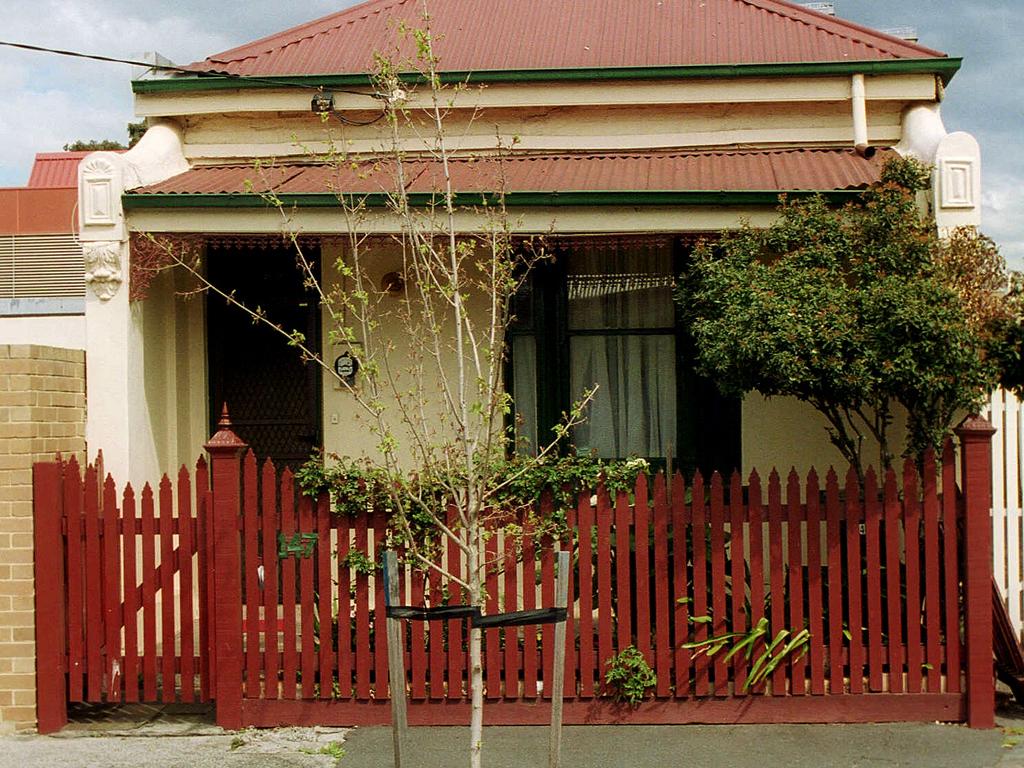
pixel 1003 216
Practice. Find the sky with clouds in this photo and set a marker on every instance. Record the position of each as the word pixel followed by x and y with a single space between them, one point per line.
pixel 49 101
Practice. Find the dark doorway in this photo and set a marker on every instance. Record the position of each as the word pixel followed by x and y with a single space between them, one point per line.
pixel 272 395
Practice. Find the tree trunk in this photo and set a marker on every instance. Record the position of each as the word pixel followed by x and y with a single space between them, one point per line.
pixel 476 668
pixel 476 690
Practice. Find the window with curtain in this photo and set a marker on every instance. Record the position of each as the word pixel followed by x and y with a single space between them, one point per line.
pixel 602 314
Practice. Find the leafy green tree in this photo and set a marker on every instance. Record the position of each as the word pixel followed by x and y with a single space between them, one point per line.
pixel 93 145
pixel 854 310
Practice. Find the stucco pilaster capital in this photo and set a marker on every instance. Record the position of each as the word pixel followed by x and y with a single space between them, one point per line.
pixel 104 272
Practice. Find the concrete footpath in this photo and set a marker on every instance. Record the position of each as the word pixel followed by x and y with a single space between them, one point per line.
pixel 193 742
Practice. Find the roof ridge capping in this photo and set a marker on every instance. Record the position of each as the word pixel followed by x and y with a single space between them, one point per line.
pixel 798 12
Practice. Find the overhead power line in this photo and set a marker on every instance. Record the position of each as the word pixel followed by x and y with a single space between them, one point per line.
pixel 179 70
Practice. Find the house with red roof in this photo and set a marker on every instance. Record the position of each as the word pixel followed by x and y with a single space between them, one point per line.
pixel 622 131
pixel 42 295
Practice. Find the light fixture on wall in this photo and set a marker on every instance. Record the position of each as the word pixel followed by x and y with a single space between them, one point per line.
pixel 393 283
pixel 322 103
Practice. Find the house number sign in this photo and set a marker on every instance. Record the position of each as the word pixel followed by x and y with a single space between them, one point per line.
pixel 299 545
pixel 346 367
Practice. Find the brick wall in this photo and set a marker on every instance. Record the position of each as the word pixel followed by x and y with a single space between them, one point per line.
pixel 42 412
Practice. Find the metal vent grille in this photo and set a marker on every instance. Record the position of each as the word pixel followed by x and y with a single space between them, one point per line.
pixel 41 266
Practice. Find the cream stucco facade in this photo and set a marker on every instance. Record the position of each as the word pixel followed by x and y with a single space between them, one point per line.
pixel 148 389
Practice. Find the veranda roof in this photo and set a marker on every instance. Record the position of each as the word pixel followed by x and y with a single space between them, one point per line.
pixel 614 178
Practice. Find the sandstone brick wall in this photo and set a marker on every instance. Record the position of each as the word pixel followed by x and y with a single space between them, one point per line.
pixel 42 412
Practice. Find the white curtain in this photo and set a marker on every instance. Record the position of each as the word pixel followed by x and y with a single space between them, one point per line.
pixel 620 289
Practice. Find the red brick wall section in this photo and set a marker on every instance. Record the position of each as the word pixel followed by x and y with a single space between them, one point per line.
pixel 42 412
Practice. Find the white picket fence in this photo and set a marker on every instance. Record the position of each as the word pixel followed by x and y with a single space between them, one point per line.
pixel 1006 413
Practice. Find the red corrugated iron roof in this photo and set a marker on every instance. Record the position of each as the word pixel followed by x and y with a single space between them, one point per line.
pixel 710 170
pixel 56 169
pixel 480 35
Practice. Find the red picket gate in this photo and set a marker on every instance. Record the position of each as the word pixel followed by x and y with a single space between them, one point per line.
pixel 876 574
pixel 122 603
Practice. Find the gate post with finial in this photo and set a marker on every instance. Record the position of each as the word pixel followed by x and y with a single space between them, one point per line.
pixel 975 435
pixel 226 449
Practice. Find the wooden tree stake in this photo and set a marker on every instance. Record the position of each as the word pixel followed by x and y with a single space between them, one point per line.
pixel 558 671
pixel 396 658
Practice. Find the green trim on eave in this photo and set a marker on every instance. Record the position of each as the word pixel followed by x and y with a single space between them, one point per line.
pixel 513 199
pixel 945 68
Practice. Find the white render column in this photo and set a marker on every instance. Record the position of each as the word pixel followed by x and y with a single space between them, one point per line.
pixel 117 418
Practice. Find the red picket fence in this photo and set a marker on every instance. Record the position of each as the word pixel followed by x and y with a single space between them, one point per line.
pixel 876 574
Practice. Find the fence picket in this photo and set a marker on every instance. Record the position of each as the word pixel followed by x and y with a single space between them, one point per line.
pixel 835 586
pixel 738 574
pixel 547 599
pixel 380 636
pixel 167 652
pixel 112 582
pixel 76 579
pixel 585 515
pixel 186 547
pixel 345 609
pixel 605 619
pixel 492 637
pixel 418 646
pixel 148 596
pixel 680 585
pixel 873 556
pixel 436 636
pixel 529 596
pixel 271 574
pixel 1011 505
pixel 325 606
pixel 203 538
pixel 567 545
pixel 512 656
pixel 815 607
pixel 623 597
pixel 94 625
pixel 456 646
pixel 777 571
pixel 290 661
pixel 933 653
pixel 894 625
pixel 131 606
pixel 307 601
pixel 855 619
pixel 719 614
pixel 912 538
pixel 641 545
pixel 757 598
pixel 798 663
pixel 662 580
pixel 700 585
pixel 250 564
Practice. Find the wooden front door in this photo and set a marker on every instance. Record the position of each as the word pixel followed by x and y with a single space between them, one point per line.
pixel 272 395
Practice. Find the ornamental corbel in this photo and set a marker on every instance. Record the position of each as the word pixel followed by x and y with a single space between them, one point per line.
pixel 103 272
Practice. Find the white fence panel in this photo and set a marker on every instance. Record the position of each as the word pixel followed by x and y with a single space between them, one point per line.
pixel 1006 413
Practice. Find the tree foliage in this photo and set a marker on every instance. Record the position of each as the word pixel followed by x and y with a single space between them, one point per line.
pixel 93 145
pixel 854 310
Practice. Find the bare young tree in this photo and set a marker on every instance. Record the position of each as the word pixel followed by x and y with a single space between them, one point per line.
pixel 438 399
